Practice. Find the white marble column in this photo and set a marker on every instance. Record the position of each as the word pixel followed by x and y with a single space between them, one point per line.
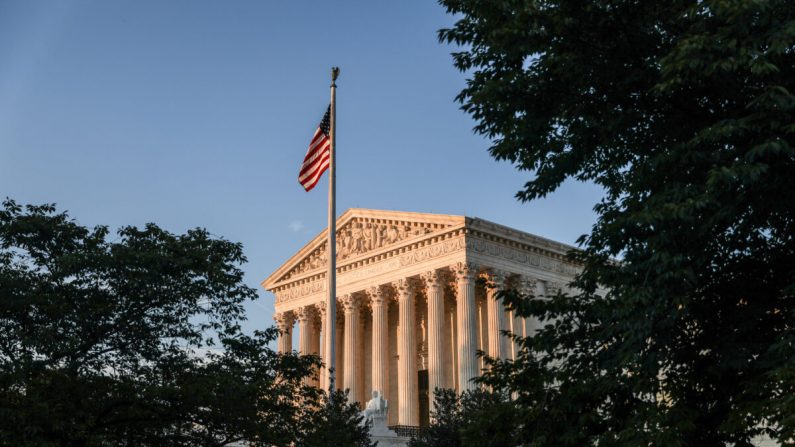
pixel 497 342
pixel 339 349
pixel 380 345
pixel 364 310
pixel 452 344
pixel 305 315
pixel 314 342
pixel 481 325
pixel 408 392
pixel 467 332
pixel 517 328
pixel 321 311
pixel 352 326
pixel 284 322
pixel 536 288
pixel 436 370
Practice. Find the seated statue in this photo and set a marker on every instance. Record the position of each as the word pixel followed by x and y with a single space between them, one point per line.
pixel 376 407
pixel 375 414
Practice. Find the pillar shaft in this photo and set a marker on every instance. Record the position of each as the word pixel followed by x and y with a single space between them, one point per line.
pixel 496 313
pixel 536 288
pixel 305 329
pixel 467 330
pixel 339 348
pixel 408 393
pixel 380 345
pixel 436 370
pixel 517 328
pixel 324 355
pixel 352 325
pixel 314 344
pixel 284 322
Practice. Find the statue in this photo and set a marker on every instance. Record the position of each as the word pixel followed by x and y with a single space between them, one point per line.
pixel 375 413
pixel 376 407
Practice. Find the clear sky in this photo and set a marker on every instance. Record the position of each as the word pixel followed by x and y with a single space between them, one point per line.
pixel 198 113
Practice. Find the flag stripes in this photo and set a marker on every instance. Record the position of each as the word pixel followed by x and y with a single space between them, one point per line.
pixel 317 156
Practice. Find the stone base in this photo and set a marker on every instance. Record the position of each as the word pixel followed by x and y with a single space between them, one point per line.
pixel 396 441
pixel 383 435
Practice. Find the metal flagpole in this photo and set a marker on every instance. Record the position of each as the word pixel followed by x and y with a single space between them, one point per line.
pixel 331 300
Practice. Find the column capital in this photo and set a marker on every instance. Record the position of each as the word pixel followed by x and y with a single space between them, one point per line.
pixel 432 278
pixel 305 313
pixel 526 285
pixel 284 320
pixel 317 316
pixel 553 288
pixel 350 303
pixel 377 295
pixel 465 271
pixel 496 278
pixel 321 309
pixel 404 288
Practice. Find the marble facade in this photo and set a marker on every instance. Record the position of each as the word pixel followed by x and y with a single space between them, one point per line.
pixel 416 300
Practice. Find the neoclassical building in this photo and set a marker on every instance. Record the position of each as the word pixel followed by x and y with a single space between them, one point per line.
pixel 411 310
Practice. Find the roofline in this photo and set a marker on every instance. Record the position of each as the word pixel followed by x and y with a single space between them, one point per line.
pixel 469 223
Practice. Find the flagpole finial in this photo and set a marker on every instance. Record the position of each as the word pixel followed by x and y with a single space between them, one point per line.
pixel 335 71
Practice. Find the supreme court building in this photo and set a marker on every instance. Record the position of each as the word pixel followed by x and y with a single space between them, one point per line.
pixel 411 312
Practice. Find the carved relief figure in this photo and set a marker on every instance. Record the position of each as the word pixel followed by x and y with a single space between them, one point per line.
pixel 357 239
pixel 369 237
pixel 315 260
pixel 392 234
pixel 346 245
pixel 403 231
pixel 378 232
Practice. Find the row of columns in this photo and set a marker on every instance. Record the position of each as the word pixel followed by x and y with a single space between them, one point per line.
pixel 464 334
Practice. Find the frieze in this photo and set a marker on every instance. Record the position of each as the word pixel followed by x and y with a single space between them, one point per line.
pixel 425 253
pixel 520 256
pixel 434 251
pixel 414 256
pixel 300 290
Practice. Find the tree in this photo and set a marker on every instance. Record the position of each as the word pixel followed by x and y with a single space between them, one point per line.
pixel 683 112
pixel 472 419
pixel 135 340
pixel 334 421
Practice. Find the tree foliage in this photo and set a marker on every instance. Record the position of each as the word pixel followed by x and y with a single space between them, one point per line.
pixel 471 419
pixel 683 112
pixel 331 420
pixel 135 340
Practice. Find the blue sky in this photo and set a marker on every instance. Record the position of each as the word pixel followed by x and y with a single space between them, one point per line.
pixel 198 114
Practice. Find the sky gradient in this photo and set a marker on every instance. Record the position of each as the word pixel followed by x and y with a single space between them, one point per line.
pixel 198 114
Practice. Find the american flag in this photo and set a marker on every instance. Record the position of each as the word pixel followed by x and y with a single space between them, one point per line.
pixel 317 156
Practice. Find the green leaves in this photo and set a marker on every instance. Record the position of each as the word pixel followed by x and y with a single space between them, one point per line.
pixel 136 341
pixel 683 112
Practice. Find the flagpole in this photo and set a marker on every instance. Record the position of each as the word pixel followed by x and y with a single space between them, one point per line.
pixel 331 300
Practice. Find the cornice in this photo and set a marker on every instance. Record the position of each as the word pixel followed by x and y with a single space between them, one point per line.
pixel 471 228
pixel 529 241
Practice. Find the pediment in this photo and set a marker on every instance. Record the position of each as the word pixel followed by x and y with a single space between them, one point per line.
pixel 362 233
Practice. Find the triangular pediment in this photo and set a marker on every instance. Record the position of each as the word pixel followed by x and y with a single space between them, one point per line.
pixel 362 233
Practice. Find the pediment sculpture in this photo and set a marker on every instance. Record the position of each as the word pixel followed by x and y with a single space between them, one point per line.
pixel 357 237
